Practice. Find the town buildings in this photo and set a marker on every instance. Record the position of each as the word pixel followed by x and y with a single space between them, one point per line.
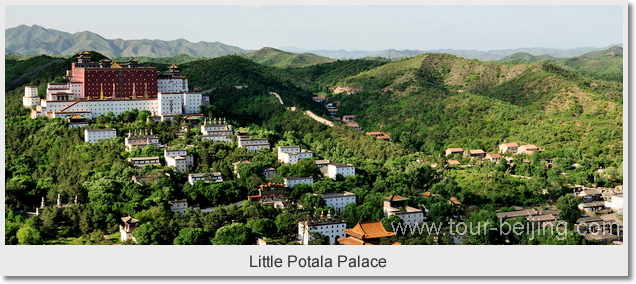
pixel 127 228
pixel 140 139
pixel 140 162
pixel 96 88
pixel 180 159
pixel 94 135
pixel 251 144
pixel 338 200
pixel 294 181
pixel 454 151
pixel 207 177
pixel 331 228
pixel 345 170
pixel 216 130
pixel 292 154
pixel 508 147
pixel 396 205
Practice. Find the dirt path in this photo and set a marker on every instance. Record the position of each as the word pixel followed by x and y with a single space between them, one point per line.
pixel 309 113
pixel 27 74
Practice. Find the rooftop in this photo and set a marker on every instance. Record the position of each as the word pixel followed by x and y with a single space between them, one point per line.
pixel 335 195
pixel 510 144
pixel 455 149
pixel 476 151
pixel 395 197
pixel 99 130
pixel 370 230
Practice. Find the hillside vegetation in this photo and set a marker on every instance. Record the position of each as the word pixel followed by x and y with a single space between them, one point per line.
pixel 604 64
pixel 277 58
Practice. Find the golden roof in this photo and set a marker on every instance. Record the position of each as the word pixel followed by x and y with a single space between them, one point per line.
pixel 173 66
pixel 115 65
pixel 370 230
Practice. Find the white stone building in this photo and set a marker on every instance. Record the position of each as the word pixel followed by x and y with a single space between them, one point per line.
pixel 293 181
pixel 333 229
pixel 251 144
pixel 179 206
pixel 292 154
pixel 31 98
pixel 140 139
pixel 345 170
pixel 338 200
pixel 216 130
pixel 214 176
pixel 94 135
pixel 396 205
pixel 140 162
pixel 180 159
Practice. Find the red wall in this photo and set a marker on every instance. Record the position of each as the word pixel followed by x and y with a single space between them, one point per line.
pixel 96 79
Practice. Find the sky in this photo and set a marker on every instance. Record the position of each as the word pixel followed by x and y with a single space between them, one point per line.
pixel 341 27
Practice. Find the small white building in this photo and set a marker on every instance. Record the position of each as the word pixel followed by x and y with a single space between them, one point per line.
pixel 293 181
pixel 345 170
pixel 94 135
pixel 180 159
pixel 269 173
pixel 527 149
pixel 396 205
pixel 292 154
pixel 214 176
pixel 338 200
pixel 322 163
pixel 31 98
pixel 179 206
pixel 251 144
pixel 140 139
pixel 333 229
pixel 508 147
pixel 126 230
pixel 140 162
pixel 615 203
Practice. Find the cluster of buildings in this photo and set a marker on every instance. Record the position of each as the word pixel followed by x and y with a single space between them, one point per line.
pixel 479 154
pixel 96 88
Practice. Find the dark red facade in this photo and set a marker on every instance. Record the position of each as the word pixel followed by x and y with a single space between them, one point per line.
pixel 119 83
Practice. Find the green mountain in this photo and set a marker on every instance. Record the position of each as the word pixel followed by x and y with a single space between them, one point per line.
pixel 434 101
pixel 604 64
pixel 29 40
pixel 277 58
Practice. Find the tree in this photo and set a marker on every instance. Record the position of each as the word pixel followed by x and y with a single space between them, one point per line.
pixel 391 223
pixel 10 231
pixel 287 223
pixel 190 236
pixel 29 236
pixel 146 234
pixel 319 239
pixel 234 234
pixel 568 206
pixel 263 227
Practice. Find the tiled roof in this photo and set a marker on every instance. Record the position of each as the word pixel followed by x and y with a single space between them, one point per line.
pixel 455 149
pixel 476 151
pixel 511 144
pixel 350 241
pixel 396 197
pixel 453 162
pixel 455 201
pixel 370 230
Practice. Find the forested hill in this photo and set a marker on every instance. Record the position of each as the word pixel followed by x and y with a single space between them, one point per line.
pixel 435 101
pixel 277 58
pixel 604 64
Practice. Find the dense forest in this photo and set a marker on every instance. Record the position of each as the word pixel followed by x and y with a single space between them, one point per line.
pixel 427 104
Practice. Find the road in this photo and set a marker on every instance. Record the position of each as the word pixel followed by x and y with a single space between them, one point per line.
pixel 309 113
pixel 35 70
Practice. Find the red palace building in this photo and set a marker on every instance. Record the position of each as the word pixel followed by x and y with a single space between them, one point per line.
pixel 109 79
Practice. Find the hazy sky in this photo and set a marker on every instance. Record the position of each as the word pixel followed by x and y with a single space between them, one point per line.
pixel 341 27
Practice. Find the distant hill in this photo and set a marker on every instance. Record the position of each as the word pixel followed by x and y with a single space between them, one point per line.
pixel 490 55
pixel 434 101
pixel 602 64
pixel 278 58
pixel 29 40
